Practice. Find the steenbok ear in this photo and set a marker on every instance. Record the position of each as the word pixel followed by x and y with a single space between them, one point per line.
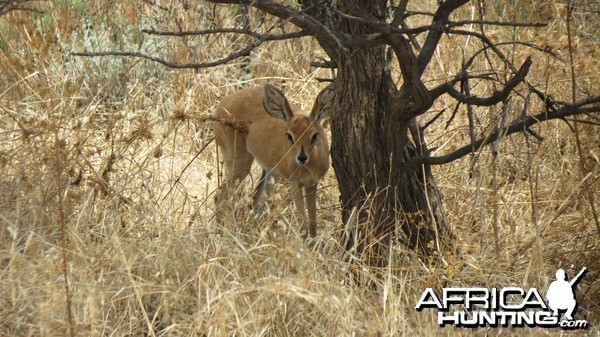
pixel 276 104
pixel 322 107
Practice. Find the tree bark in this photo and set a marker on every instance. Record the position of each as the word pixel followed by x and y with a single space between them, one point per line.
pixel 361 159
pixel 369 146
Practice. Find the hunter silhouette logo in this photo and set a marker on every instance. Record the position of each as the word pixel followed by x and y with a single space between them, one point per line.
pixel 508 306
pixel 560 293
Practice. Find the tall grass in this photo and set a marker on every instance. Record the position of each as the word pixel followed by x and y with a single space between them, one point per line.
pixel 109 170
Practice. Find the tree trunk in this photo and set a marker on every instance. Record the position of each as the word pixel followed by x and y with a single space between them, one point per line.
pixel 369 146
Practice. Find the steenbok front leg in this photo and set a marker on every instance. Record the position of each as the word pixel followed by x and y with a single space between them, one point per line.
pixel 311 202
pixel 298 194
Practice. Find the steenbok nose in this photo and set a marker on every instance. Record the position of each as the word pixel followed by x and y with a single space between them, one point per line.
pixel 288 143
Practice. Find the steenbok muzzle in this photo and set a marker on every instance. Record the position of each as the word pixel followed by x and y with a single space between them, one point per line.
pixel 288 143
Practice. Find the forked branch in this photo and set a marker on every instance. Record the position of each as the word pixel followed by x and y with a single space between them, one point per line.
pixel 589 107
pixel 328 39
pixel 495 98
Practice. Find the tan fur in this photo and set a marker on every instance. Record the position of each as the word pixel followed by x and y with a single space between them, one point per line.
pixel 269 118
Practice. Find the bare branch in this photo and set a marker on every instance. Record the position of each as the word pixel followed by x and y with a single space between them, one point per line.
pixel 452 24
pixel 552 104
pixel 587 106
pixel 260 39
pixel 393 28
pixel 440 20
pixel 534 134
pixel 230 2
pixel 153 3
pixel 265 37
pixel 498 96
pixel 7 6
pixel 435 118
pixel 582 121
pixel 463 74
pixel 399 13
pixel 488 43
pixel 323 64
pixel 415 13
pixel 329 40
pixel 235 55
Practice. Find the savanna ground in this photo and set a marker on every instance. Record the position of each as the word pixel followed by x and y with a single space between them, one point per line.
pixel 109 171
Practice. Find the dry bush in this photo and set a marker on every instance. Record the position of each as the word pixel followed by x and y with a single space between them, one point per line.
pixel 109 170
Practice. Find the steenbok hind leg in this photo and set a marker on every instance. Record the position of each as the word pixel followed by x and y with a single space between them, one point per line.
pixel 264 187
pixel 236 169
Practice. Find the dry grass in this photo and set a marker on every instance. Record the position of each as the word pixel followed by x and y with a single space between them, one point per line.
pixel 108 175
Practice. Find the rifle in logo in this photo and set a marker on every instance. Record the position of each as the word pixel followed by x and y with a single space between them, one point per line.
pixel 560 294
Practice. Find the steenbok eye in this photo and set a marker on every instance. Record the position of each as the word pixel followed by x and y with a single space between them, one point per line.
pixel 290 137
pixel 313 138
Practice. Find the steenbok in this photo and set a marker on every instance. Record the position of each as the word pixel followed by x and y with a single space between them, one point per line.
pixel 288 143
